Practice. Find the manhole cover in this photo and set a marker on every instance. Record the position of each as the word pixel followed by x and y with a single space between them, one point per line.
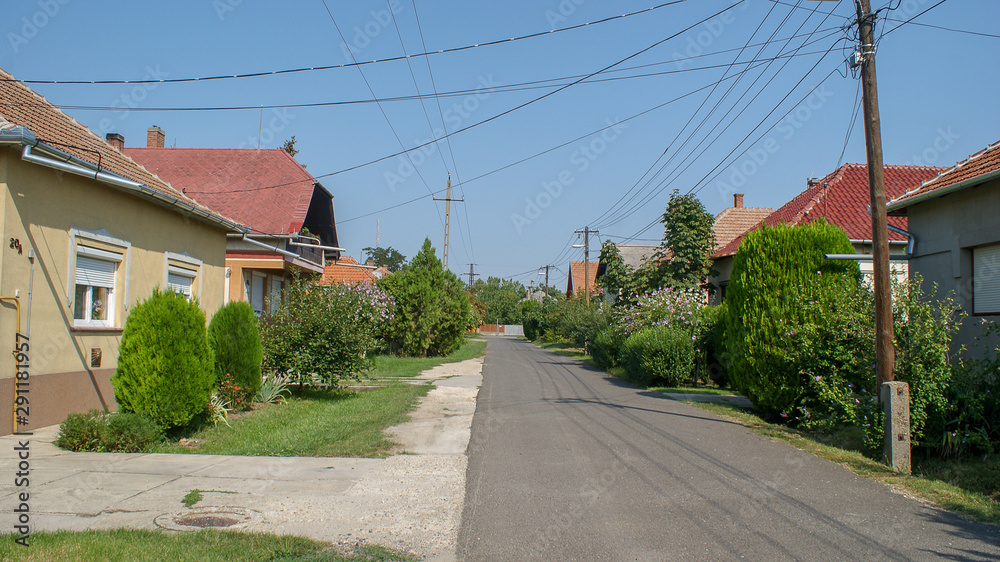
pixel 198 518
pixel 206 521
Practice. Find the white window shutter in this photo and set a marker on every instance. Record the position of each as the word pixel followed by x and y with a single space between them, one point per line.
pixel 95 272
pixel 986 279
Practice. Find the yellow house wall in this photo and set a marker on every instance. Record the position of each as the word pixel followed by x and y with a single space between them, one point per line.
pixel 39 208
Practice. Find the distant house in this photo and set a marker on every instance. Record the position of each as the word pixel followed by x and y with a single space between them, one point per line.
pixel 88 233
pixel 578 279
pixel 348 271
pixel 729 225
pixel 841 198
pixel 955 219
pixel 289 212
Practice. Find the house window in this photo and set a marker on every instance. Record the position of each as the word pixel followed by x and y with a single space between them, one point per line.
pixel 180 279
pixel 94 296
pixel 255 290
pixel 274 297
pixel 986 280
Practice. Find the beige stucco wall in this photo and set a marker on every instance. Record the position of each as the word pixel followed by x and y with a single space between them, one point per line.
pixel 40 208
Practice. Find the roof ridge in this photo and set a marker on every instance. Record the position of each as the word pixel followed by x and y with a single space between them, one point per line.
pixel 958 165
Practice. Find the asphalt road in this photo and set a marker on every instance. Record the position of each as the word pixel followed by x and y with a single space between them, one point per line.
pixel 566 463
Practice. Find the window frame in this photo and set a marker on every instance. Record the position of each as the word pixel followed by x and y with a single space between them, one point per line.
pixel 99 245
pixel 185 266
pixel 991 274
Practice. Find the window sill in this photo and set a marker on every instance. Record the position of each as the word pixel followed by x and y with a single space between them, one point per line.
pixel 96 329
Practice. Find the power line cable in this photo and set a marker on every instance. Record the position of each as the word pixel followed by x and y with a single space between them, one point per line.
pixel 355 62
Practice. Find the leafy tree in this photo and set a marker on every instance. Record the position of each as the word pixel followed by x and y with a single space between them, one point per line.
pixel 618 278
pixel 289 147
pixel 387 256
pixel 687 241
pixel 502 298
pixel 431 306
pixel 234 336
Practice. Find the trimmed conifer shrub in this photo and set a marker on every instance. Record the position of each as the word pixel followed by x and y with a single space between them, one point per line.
pixel 234 336
pixel 775 269
pixel 165 366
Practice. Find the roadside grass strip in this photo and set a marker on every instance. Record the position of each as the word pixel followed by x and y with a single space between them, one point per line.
pixel 970 486
pixel 325 423
pixel 207 545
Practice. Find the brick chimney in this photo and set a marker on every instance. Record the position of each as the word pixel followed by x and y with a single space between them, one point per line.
pixel 738 200
pixel 155 137
pixel 116 140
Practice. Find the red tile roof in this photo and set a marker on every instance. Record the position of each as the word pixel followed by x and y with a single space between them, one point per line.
pixel 575 284
pixel 266 190
pixel 22 107
pixel 734 221
pixel 842 198
pixel 975 166
pixel 347 270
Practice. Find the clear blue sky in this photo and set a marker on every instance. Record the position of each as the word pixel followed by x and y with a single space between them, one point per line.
pixel 937 90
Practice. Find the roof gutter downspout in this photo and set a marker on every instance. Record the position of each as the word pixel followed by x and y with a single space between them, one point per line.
pixel 274 248
pixel 72 165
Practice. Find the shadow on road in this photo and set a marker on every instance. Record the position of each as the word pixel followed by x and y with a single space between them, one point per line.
pixel 627 407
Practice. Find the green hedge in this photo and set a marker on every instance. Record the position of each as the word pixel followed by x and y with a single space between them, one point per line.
pixel 165 366
pixel 659 356
pixel 774 269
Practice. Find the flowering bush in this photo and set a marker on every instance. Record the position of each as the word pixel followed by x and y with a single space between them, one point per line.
pixel 323 334
pixel 239 398
pixel 677 308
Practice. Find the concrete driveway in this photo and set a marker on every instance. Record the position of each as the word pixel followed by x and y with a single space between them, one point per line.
pixel 410 502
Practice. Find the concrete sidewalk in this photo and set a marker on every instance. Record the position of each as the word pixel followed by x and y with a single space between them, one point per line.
pixel 412 502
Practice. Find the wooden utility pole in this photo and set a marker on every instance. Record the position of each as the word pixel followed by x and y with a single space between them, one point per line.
pixel 547 279
pixel 586 259
pixel 885 353
pixel 447 219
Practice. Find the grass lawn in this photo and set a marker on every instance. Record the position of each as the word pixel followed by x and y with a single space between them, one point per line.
pixel 334 423
pixel 208 545
pixel 969 486
pixel 567 349
pixel 693 390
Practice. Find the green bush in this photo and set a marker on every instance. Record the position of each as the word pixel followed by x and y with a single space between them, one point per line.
pixel 165 366
pixel 431 308
pixel 659 356
pixel 775 269
pixel 234 337
pixel 707 329
pixel 323 334
pixel 575 321
pixel 97 431
pixel 606 348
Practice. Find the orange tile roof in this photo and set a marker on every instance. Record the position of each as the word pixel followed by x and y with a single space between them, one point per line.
pixel 734 221
pixel 347 270
pixel 842 198
pixel 977 165
pixel 22 107
pixel 575 284
pixel 267 190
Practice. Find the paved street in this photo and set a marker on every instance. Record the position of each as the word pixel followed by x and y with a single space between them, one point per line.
pixel 567 463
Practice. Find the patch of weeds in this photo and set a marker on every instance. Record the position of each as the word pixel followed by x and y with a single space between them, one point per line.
pixel 192 497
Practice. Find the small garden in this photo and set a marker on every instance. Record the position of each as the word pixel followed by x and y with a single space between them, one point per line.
pixel 795 334
pixel 284 384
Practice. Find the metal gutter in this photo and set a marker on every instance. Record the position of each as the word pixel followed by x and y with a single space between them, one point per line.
pixel 317 246
pixel 910 244
pixel 274 248
pixel 971 182
pixel 59 160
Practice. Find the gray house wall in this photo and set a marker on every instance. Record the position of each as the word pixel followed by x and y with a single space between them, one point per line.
pixel 947 229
